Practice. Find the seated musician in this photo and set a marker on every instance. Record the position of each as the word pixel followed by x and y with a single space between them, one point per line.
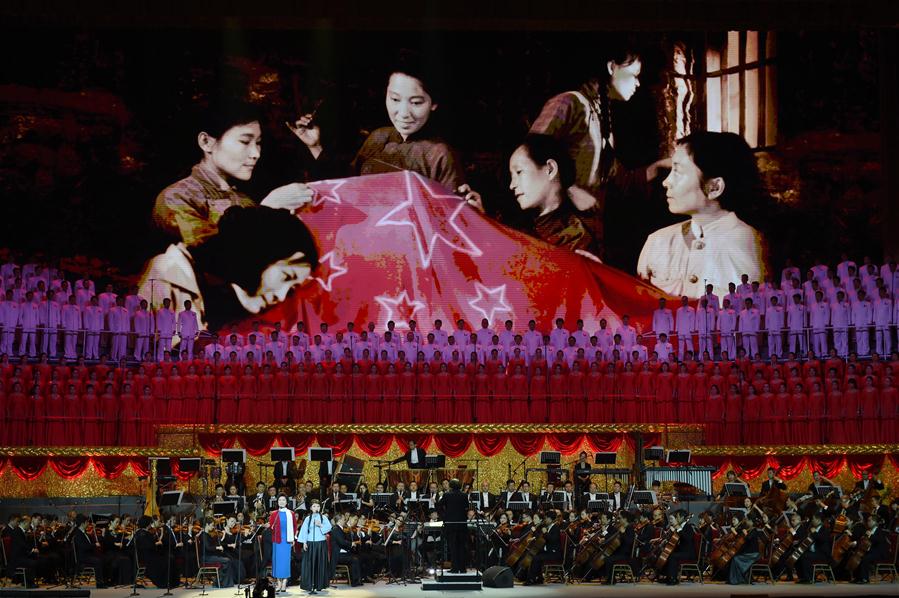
pixel 817 553
pixel 86 550
pixel 431 549
pixel 569 499
pixel 524 495
pixel 772 482
pixel 551 551
pixel 159 569
pixel 370 549
pixel 741 564
pixel 616 497
pixel 212 551
pixel 546 497
pixel 506 495
pixel 623 554
pixel 332 503
pixel 399 497
pixel 731 479
pixel 685 549
pixel 393 543
pixel 879 551
pixel 341 551
pixel 590 495
pixel 232 540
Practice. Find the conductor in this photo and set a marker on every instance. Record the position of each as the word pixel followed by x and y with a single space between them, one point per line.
pixel 455 507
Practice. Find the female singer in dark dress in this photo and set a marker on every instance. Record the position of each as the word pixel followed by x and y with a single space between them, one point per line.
pixel 315 570
pixel 581 475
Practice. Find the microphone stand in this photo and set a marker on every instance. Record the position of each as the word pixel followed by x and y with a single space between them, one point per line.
pixel 168 562
pixel 134 591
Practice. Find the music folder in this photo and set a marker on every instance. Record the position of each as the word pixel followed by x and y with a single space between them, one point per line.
pixel 171 499
pixel 605 458
pixel 736 489
pixel 320 454
pixel 234 455
pixel 282 454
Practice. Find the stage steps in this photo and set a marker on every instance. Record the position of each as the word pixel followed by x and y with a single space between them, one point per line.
pixel 454 581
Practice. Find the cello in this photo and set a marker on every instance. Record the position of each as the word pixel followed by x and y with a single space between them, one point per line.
pixel 864 545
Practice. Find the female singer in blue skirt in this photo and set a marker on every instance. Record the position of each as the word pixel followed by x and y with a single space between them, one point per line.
pixel 316 568
pixel 283 523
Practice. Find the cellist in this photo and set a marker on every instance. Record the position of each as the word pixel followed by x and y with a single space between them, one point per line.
pixel 685 549
pixel 624 553
pixel 879 550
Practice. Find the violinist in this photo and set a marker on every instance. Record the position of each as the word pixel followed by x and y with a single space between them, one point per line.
pixel 341 550
pixel 551 551
pixel 685 549
pixel 818 551
pixel 500 539
pixel 212 551
pixel 772 482
pixel 171 542
pixel 149 556
pixel 116 552
pixel 369 551
pixel 86 550
pixel 393 545
pixel 878 552
pixel 22 553
pixel 232 540
pixel 741 564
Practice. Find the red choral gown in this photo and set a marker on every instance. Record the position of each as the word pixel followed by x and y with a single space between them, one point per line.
pixel 596 408
pixel 764 423
pixel 780 426
pixel 461 404
pixel 501 402
pixel 38 420
pixel 815 412
pixel 733 414
pixel 190 391
pixel 129 432
pixel 90 414
pixel 889 409
pixel 74 420
pixel 665 397
pixel 281 398
pixel 627 410
pixel 537 387
pixel 159 388
pixel 109 418
pixel 227 399
pixel 798 419
pixel 175 411
pixel 299 392
pixel 558 398
pixel 577 408
pixel 835 414
pixel 869 404
pixel 206 402
pixel 518 397
pixel 391 391
pixel 646 395
pixel 407 396
pixel 423 411
pixel 56 420
pixel 684 391
pixel 318 394
pixel 714 420
pixel 443 397
pixel 247 405
pixel 483 399
pixel 265 407
pixel 752 406
pixel 372 405
pixel 356 392
pixel 340 408
pixel 851 421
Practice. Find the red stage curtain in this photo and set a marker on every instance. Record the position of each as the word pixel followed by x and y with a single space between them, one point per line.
pixel 374 445
pixel 828 465
pixel 421 441
pixel 110 467
pixel 490 444
pixel 604 443
pixel 256 444
pixel 182 475
pixel 858 464
pixel 69 467
pixel 140 466
pixel 894 457
pixel 453 445
pixel 565 442
pixel 750 467
pixel 300 442
pixel 789 466
pixel 527 444
pixel 3 462
pixel 28 468
pixel 341 443
pixel 214 443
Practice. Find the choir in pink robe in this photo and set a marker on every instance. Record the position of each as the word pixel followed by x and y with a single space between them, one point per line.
pixel 443 396
pixel 129 432
pixel 281 396
pixel 190 390
pixel 889 409
pixel 391 392
pixel 576 404
pixel 763 427
pixel 751 413
pixel 518 394
pixel 175 411
pixel 664 396
pixel 684 393
pixel 56 418
pixel 74 430
pixel 627 410
pixel 206 402
pixel 90 418
pixel 851 421
pixel 38 421
pixel 815 417
pixel 264 401
pixel 798 417
pixel 869 406
pixel 501 401
pixel 318 396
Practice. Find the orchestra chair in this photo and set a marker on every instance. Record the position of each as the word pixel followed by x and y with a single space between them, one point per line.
pixel 83 572
pixel 823 570
pixel 267 571
pixel 206 570
pixel 624 571
pixel 343 571
pixel 556 568
pixel 762 569
pixel 688 568
pixel 884 568
pixel 140 572
pixel 4 547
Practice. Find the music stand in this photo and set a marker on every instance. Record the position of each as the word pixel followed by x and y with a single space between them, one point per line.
pixel 351 464
pixel 594 506
pixel 517 506
pixel 189 464
pixel 171 499
pixel 736 489
pixel 234 456
pixel 286 453
pixel 550 458
pixel 435 461
pixel 822 490
pixel 645 497
pixel 238 500
pixel 319 454
pixel 224 507
pixel 654 453
pixel 682 457
pixel 163 466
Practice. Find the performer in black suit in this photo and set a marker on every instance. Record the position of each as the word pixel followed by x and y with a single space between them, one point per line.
pixel 819 551
pixel 326 470
pixel 286 476
pixel 616 497
pixel 455 508
pixel 150 557
pixel 341 547
pixel 867 479
pixel 414 458
pixel 878 553
pixel 772 482
pixel 488 501
pixel 85 550
pixel 552 549
pixel 524 495
pixel 22 553
pixel 686 546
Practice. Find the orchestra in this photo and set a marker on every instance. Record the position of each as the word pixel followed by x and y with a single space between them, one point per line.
pixel 404 535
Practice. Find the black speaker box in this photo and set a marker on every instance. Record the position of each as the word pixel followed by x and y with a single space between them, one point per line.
pixel 498 577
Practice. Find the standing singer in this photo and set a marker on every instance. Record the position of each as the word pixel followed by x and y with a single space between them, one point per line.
pixel 315 568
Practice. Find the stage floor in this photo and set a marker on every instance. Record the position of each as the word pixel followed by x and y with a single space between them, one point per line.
pixel 382 590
